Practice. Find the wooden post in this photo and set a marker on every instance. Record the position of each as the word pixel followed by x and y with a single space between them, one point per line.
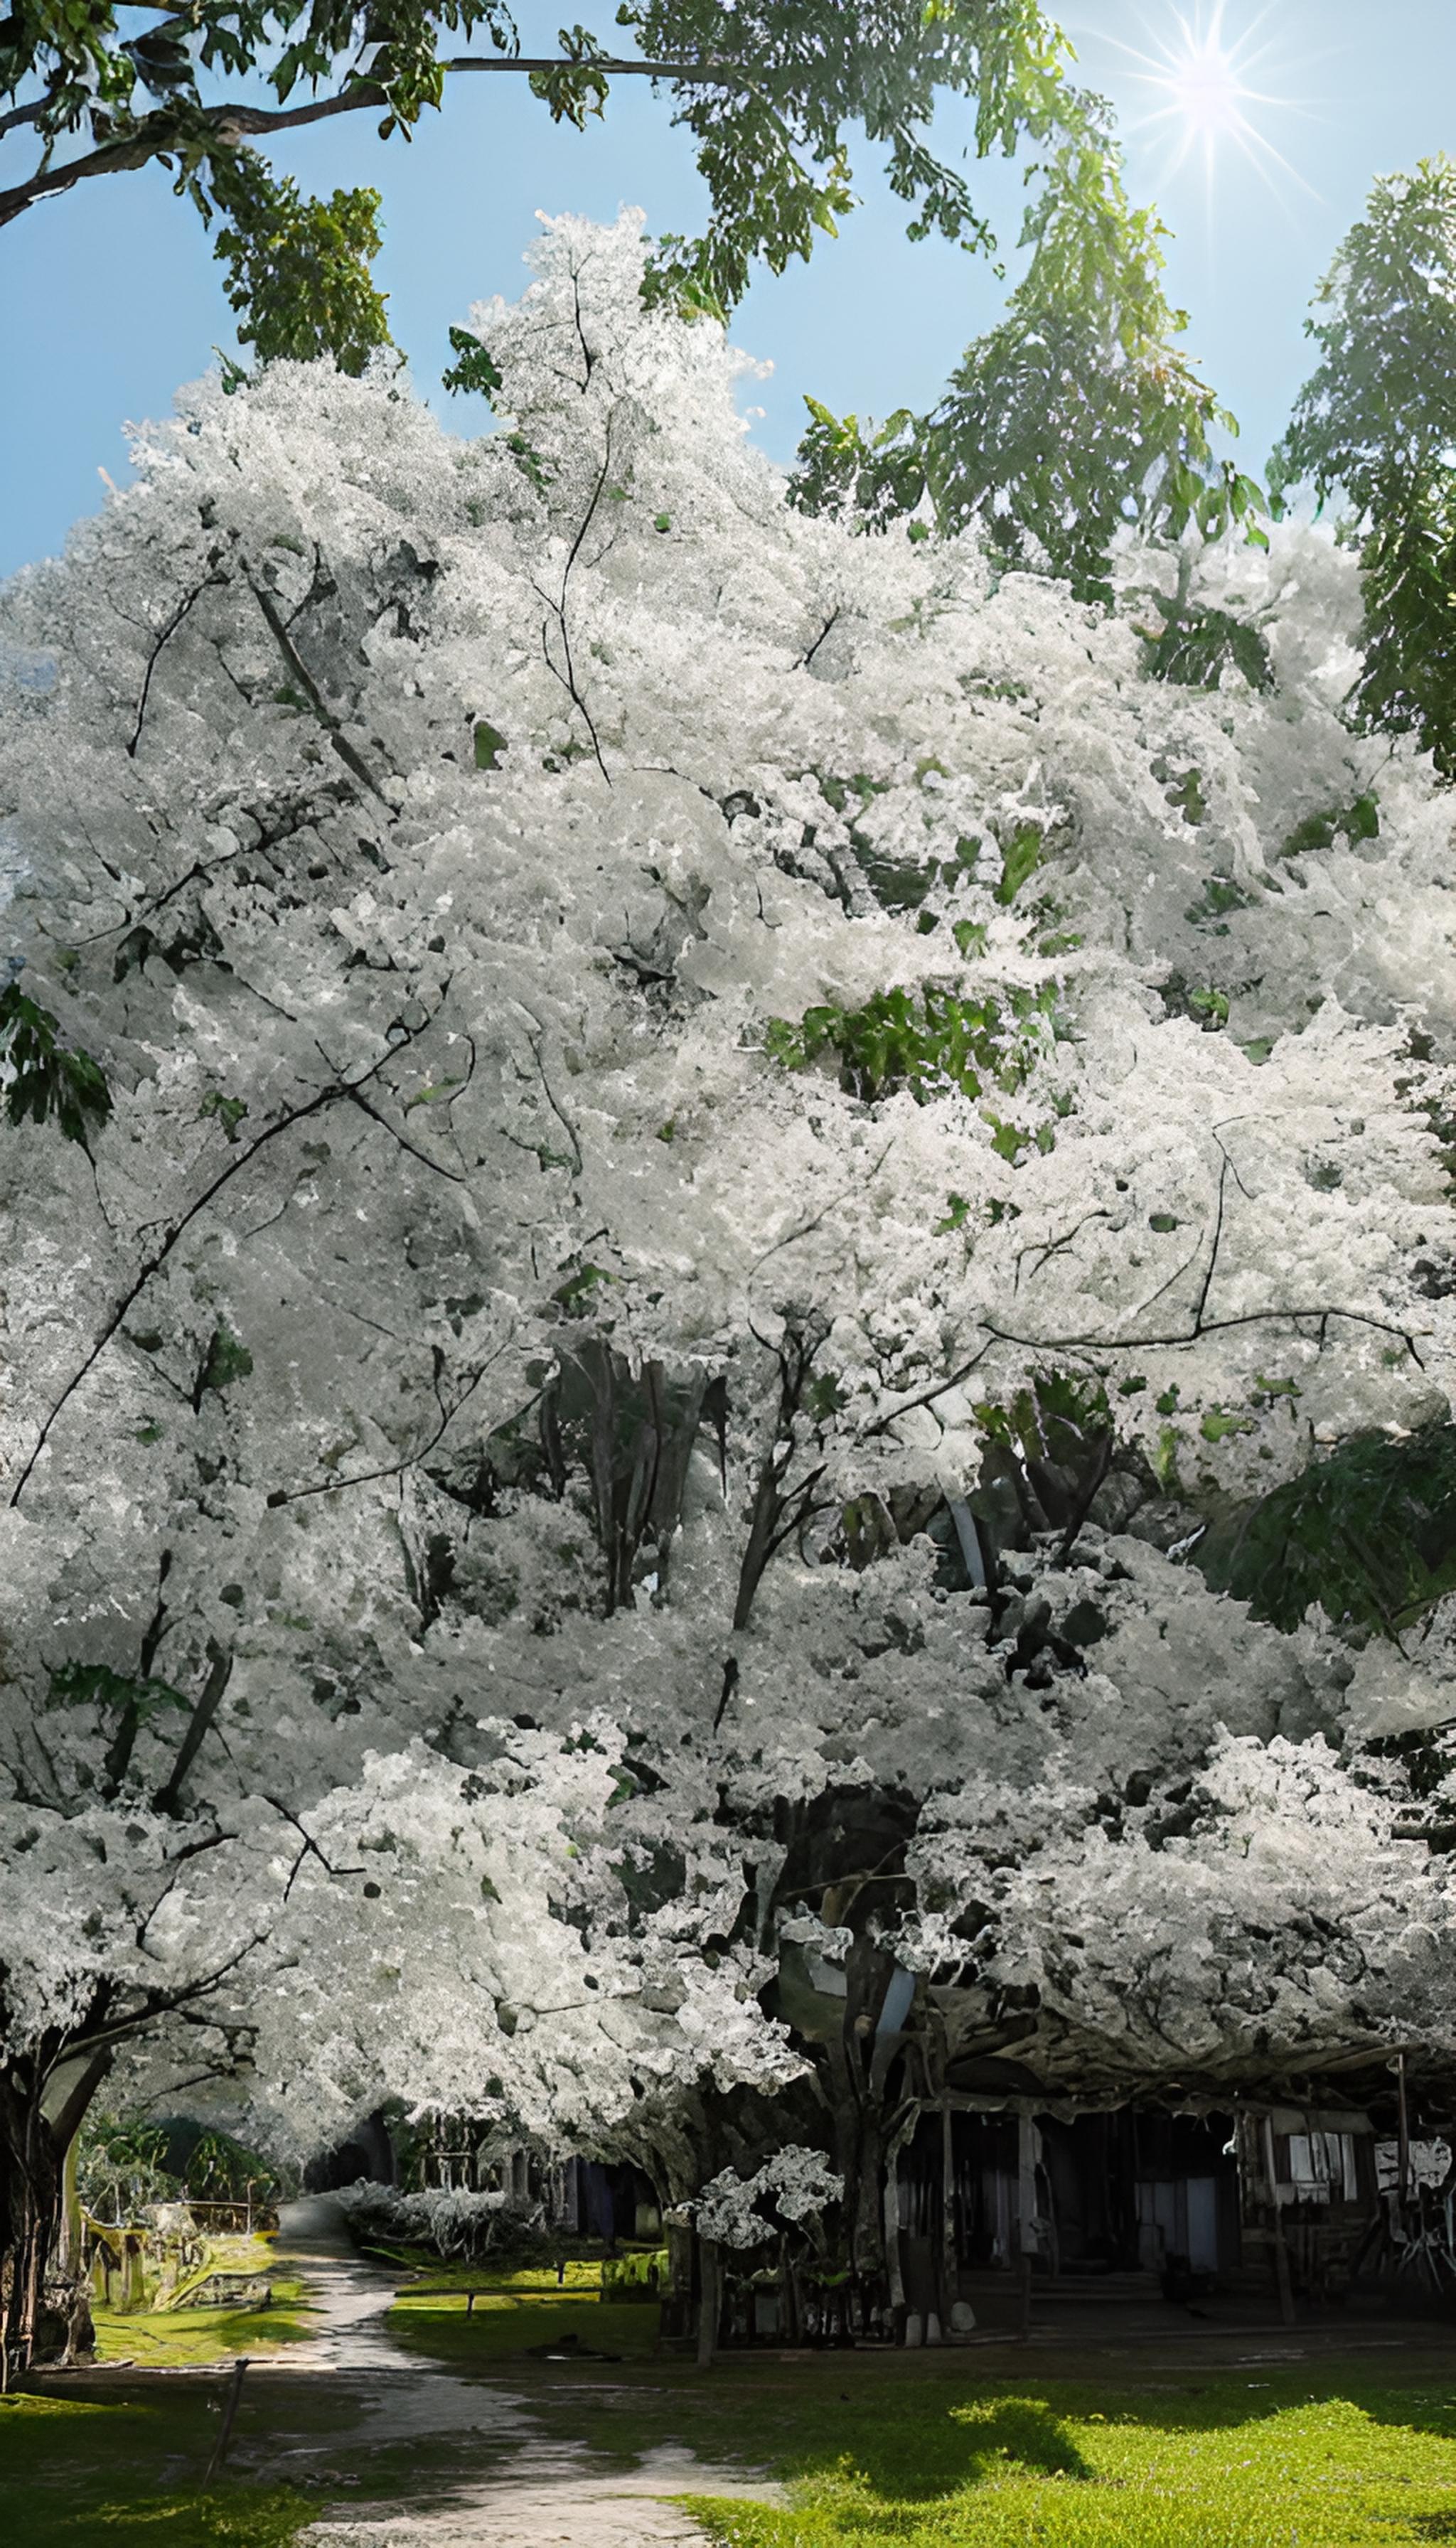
pixel 229 2415
pixel 892 2265
pixel 950 2255
pixel 710 2287
pixel 1402 2179
pixel 1025 2216
pixel 1281 2252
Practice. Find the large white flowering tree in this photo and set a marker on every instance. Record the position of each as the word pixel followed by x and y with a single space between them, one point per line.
pixel 709 1145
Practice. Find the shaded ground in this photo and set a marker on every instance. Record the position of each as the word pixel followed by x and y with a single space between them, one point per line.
pixel 344 2437
pixel 431 2429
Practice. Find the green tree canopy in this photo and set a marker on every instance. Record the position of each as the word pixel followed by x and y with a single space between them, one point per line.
pixel 769 89
pixel 1377 421
pixel 1077 415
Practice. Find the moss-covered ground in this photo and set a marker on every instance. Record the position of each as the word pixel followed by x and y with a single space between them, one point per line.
pixel 176 2338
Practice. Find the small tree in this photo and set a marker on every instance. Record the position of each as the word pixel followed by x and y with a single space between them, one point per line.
pixel 1077 418
pixel 1376 421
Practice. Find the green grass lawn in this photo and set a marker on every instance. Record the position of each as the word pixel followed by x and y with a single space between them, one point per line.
pixel 1147 2447
pixel 1289 2463
pixel 126 2471
pixel 169 2339
pixel 506 2324
pixel 954 2451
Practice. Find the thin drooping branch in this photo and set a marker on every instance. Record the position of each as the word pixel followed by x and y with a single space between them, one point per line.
pixel 568 678
pixel 831 622
pixel 311 1848
pixel 1089 1343
pixel 340 1091
pixel 165 635
pixel 410 1459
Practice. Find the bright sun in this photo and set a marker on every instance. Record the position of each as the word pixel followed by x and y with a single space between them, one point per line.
pixel 1203 80
pixel 1204 89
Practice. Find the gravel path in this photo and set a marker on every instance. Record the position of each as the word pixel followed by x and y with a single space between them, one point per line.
pixel 493 2479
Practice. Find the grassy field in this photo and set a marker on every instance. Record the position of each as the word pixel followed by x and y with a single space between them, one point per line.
pixel 1150 2446
pixel 966 2450
pixel 171 2339
pixel 126 2473
pixel 1228 2465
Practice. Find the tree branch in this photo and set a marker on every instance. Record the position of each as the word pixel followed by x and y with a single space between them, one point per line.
pixel 338 1093
pixel 168 630
pixel 209 1703
pixel 158 134
pixel 395 1468
pixel 331 724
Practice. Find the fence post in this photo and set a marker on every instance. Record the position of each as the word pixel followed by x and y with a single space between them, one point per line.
pixel 229 2415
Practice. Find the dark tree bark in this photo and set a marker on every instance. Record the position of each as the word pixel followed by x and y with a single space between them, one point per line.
pixel 45 2313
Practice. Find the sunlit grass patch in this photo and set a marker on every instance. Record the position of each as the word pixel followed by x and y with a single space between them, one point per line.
pixel 156 2339
pixel 1049 2469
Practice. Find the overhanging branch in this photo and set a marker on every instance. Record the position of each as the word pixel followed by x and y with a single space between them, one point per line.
pixel 223 125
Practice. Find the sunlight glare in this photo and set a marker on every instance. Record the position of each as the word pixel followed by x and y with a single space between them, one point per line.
pixel 1200 76
pixel 1204 88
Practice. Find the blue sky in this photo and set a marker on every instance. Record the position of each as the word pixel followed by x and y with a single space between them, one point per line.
pixel 109 298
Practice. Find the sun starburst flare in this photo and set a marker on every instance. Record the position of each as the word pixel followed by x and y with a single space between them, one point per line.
pixel 1204 81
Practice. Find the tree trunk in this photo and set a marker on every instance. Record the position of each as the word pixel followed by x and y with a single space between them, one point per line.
pixel 29 2209
pixel 44 2315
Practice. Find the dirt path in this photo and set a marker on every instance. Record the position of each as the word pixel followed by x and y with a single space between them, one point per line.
pixel 483 2474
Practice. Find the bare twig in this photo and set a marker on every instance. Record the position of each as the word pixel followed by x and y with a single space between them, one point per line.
pixel 167 632
pixel 331 724
pixel 338 1092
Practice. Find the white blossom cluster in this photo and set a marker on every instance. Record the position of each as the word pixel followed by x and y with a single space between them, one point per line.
pixel 795 2180
pixel 572 941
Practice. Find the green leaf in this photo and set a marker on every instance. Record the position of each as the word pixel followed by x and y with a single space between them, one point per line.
pixel 228 1110
pixel 474 369
pixel 225 1361
pixel 432 1092
pixel 1218 1424
pixel 1019 860
pixel 1368 1533
pixel 41 1078
pixel 299 273
pixel 97 1686
pixel 489 743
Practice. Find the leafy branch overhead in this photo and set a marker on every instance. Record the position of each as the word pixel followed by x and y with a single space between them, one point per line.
pixel 1077 417
pixel 769 91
